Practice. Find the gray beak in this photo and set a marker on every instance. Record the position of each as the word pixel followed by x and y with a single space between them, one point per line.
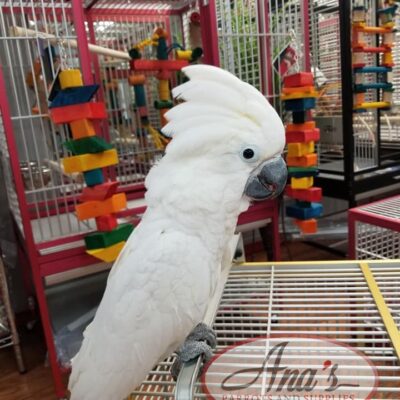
pixel 267 180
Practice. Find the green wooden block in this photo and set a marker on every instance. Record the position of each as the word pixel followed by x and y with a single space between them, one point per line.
pixel 91 144
pixel 100 240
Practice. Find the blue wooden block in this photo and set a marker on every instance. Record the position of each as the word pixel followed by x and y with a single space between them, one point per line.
pixel 304 210
pixel 300 104
pixel 74 95
pixel 372 70
pixel 140 95
pixel 299 117
pixel 94 177
pixel 362 87
pixel 162 49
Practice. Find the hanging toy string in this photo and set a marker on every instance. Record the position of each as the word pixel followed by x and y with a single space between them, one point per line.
pixel 63 55
pixel 297 50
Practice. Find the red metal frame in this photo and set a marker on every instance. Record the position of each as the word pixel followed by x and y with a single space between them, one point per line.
pixel 358 215
pixel 209 33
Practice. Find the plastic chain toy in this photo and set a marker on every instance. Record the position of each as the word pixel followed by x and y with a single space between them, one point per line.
pixel 299 96
pixel 71 104
pixel 163 67
pixel 386 13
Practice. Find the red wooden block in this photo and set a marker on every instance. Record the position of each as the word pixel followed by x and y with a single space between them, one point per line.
pixel 106 223
pixel 99 192
pixel 157 65
pixel 305 135
pixel 299 79
pixel 312 195
pixel 63 115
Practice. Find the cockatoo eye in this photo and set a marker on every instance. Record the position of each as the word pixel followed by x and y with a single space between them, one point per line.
pixel 249 154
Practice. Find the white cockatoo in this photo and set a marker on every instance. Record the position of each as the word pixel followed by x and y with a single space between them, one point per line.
pixel 226 149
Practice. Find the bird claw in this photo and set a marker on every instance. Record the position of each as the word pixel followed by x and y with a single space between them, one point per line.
pixel 200 341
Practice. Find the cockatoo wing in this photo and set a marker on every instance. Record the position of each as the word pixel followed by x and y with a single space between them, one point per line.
pixel 149 307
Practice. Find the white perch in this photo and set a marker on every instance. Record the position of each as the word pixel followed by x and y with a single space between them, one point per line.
pixel 104 51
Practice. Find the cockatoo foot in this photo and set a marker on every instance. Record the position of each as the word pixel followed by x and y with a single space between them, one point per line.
pixel 201 341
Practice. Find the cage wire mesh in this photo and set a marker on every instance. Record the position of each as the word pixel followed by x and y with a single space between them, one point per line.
pixel 260 41
pixel 329 301
pixel 325 46
pixel 30 62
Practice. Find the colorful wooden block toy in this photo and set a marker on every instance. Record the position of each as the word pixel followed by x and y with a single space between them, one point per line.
pixel 300 172
pixel 300 149
pixel 108 254
pixel 309 160
pixel 106 223
pixel 298 80
pixel 94 177
pixel 91 145
pixel 307 226
pixel 70 78
pixel 99 192
pixel 301 104
pixel 302 183
pixel 64 115
pixel 304 211
pixel 74 95
pixel 299 117
pixel 106 239
pixel 82 128
pixel 88 162
pixel 305 135
pixel 312 195
pixel 93 209
pixel 299 127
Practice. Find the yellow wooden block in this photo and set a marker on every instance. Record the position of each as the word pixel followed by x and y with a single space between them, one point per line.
pixel 70 78
pixel 82 128
pixel 107 254
pixel 93 209
pixel 302 183
pixel 87 162
pixel 300 149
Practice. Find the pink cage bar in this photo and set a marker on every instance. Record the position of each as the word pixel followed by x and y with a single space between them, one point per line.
pixel 42 197
pixel 374 230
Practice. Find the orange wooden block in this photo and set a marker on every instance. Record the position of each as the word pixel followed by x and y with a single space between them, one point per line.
pixel 302 89
pixel 300 127
pixel 307 160
pixel 82 128
pixel 307 226
pixel 93 209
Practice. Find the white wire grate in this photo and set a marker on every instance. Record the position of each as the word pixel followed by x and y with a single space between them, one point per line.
pixel 331 301
pixel 253 36
pixel 388 208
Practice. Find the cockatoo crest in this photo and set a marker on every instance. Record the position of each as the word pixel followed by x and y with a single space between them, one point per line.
pixel 217 103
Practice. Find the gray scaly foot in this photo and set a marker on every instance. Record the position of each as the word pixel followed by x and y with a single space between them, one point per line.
pixel 201 341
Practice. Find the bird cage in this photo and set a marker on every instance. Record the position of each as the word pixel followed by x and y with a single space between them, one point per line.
pixel 359 149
